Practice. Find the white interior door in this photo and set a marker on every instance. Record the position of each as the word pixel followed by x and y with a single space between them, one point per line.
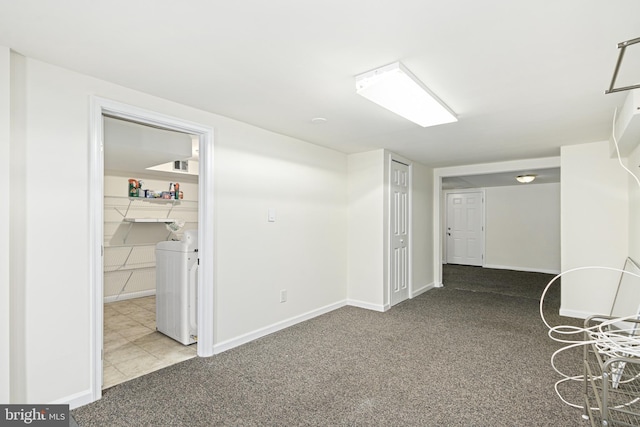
pixel 399 217
pixel 465 228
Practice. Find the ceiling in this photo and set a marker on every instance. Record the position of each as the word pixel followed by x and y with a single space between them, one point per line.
pixel 133 148
pixel 524 78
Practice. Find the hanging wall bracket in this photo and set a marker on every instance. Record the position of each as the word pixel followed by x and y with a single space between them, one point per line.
pixel 622 46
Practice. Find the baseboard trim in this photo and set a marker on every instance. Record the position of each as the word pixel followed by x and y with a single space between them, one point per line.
pixel 527 269
pixel 278 326
pixel 368 305
pixel 131 295
pixel 578 314
pixel 75 400
pixel 422 289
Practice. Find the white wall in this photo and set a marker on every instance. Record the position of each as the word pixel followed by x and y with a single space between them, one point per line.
pixel 304 251
pixel 633 163
pixel 594 223
pixel 5 262
pixel 17 231
pixel 422 228
pixel 366 229
pixel 522 227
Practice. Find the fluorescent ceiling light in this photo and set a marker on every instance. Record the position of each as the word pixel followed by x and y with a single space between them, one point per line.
pixel 396 89
pixel 525 179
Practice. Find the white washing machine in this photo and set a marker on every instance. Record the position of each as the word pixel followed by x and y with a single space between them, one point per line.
pixel 176 288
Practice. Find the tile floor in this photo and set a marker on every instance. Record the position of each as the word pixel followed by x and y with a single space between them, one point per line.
pixel 132 346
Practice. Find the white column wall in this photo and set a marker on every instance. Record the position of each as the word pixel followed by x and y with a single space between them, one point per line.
pixel 633 164
pixel 595 210
pixel 304 251
pixel 422 228
pixel 5 260
pixel 17 231
pixel 366 229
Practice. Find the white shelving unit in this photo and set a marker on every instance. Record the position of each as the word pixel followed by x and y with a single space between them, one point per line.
pixel 132 227
pixel 612 382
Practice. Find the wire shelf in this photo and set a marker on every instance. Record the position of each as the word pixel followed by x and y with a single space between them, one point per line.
pixel 612 388
pixel 132 227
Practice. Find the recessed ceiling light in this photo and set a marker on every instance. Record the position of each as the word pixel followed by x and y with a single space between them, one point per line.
pixel 319 120
pixel 395 88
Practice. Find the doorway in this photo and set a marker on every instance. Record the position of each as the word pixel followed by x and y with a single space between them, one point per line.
pixel 148 199
pixel 205 293
pixel 474 178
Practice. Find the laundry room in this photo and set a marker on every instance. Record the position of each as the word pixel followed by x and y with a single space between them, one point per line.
pixel 150 248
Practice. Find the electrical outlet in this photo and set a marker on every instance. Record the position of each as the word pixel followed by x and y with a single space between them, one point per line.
pixel 283 295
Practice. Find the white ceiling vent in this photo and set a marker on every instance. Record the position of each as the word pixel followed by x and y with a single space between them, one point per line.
pixel 627 125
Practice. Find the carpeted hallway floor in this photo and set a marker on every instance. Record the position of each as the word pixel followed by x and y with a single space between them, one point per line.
pixel 473 353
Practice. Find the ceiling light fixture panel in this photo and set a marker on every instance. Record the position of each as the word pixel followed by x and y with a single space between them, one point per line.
pixel 395 88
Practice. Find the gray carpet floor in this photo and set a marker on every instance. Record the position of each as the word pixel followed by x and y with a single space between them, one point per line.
pixel 473 353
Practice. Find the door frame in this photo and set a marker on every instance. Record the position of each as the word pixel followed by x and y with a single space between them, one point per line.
pixel 389 228
pixel 445 202
pixel 206 285
pixel 475 169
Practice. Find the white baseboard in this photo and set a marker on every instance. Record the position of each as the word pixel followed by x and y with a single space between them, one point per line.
pixel 130 295
pixel 422 289
pixel 528 269
pixel 86 397
pixel 259 333
pixel 368 305
pixel 75 400
pixel 576 313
